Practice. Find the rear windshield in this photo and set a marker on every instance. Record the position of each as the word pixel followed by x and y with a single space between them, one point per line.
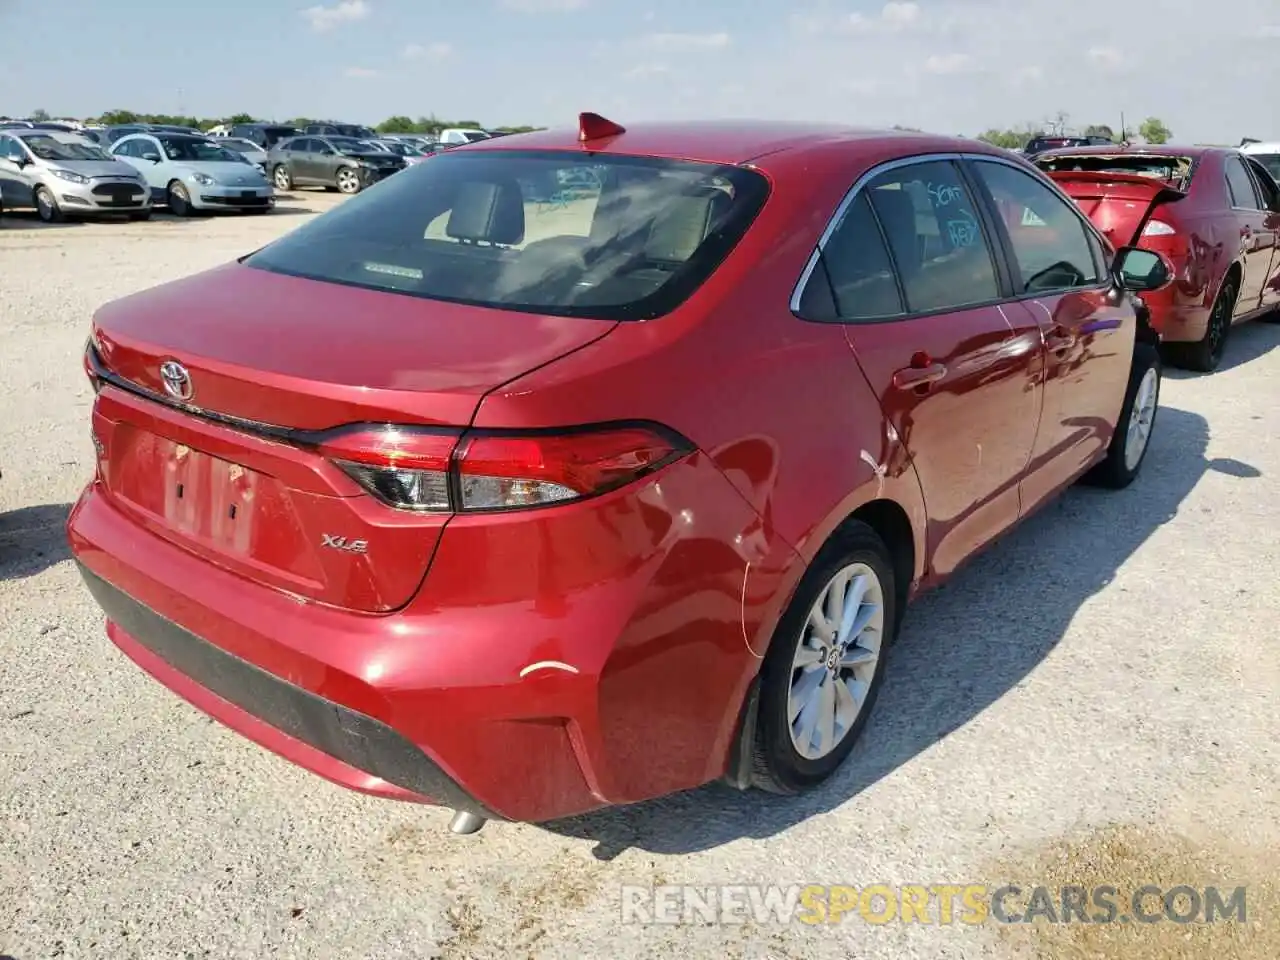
pixel 546 232
pixel 1176 171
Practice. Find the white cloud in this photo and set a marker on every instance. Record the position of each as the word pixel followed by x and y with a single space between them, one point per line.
pixel 542 6
pixel 359 73
pixel 644 70
pixel 900 13
pixel 324 18
pixel 688 41
pixel 948 63
pixel 1106 56
pixel 893 17
pixel 431 51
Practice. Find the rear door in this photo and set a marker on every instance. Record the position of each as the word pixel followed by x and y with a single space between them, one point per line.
pixel 303 162
pixel 1257 242
pixel 915 279
pixel 1061 282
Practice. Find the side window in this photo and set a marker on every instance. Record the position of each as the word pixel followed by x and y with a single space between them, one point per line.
pixel 1266 185
pixel 127 149
pixel 9 149
pixel 1243 195
pixel 1050 243
pixel 303 145
pixel 858 268
pixel 935 237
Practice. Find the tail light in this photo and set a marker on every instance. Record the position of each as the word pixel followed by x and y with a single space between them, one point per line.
pixel 1157 228
pixel 448 471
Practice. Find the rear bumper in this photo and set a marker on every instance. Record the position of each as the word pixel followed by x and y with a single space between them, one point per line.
pixel 605 665
pixel 347 747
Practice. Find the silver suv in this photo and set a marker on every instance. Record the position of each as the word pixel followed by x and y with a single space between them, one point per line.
pixel 62 175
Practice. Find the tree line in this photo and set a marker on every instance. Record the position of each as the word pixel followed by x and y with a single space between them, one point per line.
pixel 1152 129
pixel 425 125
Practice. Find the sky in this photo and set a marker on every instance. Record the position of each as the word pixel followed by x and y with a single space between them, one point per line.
pixel 1211 72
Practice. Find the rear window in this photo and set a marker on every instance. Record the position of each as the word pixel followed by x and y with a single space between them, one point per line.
pixel 546 232
pixel 1176 171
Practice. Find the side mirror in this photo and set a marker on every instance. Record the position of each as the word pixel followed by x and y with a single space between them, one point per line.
pixel 153 157
pixel 22 161
pixel 1141 271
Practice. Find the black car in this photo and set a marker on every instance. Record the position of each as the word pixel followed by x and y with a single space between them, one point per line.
pixel 265 135
pixel 1040 144
pixel 328 128
pixel 336 163
pixel 112 134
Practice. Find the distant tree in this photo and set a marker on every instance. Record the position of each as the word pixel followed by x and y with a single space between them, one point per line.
pixel 1153 130
pixel 397 124
pixel 40 114
pixel 1009 139
pixel 240 118
pixel 113 118
pixel 300 122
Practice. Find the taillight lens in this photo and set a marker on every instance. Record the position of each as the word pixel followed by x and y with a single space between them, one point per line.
pixel 441 471
pixel 404 467
pixel 1157 228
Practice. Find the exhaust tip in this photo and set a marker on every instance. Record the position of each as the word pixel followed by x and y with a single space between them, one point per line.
pixel 465 822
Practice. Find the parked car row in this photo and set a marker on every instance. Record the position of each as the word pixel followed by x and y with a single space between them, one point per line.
pixel 642 495
pixel 63 175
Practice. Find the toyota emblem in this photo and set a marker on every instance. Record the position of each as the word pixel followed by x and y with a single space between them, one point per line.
pixel 177 382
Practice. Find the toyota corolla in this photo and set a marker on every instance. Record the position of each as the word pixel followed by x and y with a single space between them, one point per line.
pixel 458 496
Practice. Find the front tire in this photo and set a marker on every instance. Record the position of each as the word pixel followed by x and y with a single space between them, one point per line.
pixel 1132 435
pixel 825 663
pixel 180 201
pixel 348 180
pixel 47 206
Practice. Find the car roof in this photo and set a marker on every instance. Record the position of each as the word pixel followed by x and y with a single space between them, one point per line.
pixel 727 141
pixel 1261 146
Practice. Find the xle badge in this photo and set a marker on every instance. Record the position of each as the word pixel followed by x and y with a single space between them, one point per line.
pixel 342 543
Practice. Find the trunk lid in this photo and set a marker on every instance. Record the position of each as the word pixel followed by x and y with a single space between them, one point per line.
pixel 1118 204
pixel 270 357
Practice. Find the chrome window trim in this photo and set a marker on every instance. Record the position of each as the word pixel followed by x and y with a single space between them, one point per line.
pixel 889 165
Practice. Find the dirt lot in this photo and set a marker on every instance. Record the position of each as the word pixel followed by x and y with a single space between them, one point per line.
pixel 1091 702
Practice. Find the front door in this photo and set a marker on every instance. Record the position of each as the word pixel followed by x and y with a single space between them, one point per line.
pixel 914 275
pixel 1062 283
pixel 1269 194
pixel 1257 243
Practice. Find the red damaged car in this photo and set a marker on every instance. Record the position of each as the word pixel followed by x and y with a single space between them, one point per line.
pixel 461 496
pixel 1214 212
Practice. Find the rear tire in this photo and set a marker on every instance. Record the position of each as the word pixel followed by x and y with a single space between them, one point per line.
pixel 1205 355
pixel 281 177
pixel 811 675
pixel 1132 437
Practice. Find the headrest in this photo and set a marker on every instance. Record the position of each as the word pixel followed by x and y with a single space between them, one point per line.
pixel 680 229
pixel 897 213
pixel 487 211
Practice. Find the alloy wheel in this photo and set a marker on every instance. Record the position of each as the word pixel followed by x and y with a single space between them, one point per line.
pixel 835 661
pixel 1140 418
pixel 282 179
pixel 348 182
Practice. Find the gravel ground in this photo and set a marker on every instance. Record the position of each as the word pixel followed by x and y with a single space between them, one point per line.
pixel 1091 701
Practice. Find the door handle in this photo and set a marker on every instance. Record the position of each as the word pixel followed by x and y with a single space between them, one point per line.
pixel 922 376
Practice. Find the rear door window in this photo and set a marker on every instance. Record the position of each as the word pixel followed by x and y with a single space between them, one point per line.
pixel 858 268
pixel 939 247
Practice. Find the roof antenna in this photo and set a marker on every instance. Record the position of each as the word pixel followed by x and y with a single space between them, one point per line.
pixel 592 126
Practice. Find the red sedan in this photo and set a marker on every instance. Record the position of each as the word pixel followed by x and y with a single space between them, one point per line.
pixel 456 496
pixel 1215 213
